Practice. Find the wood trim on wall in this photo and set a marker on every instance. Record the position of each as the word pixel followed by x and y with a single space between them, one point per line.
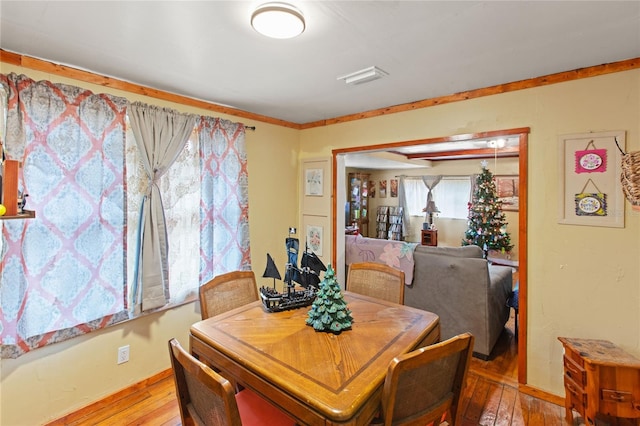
pixel 111 399
pixel 89 77
pixel 523 195
pixel 560 77
pixel 539 393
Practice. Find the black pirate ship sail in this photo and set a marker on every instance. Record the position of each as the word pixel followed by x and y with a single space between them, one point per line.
pixel 307 275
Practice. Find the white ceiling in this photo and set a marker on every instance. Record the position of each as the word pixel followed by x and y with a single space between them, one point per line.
pixel 382 161
pixel 423 155
pixel 207 49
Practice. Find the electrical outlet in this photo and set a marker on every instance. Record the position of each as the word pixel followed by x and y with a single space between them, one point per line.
pixel 292 230
pixel 123 354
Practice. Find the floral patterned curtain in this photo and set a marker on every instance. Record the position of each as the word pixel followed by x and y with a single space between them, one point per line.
pixel 71 269
pixel 224 228
pixel 62 274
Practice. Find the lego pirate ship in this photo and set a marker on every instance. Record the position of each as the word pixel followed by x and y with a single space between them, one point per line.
pixel 307 275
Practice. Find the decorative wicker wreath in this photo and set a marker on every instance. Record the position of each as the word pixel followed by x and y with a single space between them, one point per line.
pixel 630 178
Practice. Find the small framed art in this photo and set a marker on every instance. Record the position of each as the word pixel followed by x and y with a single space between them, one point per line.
pixel 590 192
pixel 393 184
pixel 383 188
pixel 313 182
pixel 508 187
pixel 314 239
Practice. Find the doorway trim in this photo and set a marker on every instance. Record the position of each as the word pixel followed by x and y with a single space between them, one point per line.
pixel 523 134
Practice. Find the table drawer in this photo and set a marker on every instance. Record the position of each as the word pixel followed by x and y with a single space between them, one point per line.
pixel 619 403
pixel 612 395
pixel 574 356
pixel 575 371
pixel 575 393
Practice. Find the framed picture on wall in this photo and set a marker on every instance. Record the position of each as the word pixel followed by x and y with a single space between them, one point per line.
pixel 507 187
pixel 383 189
pixel 372 189
pixel 314 239
pixel 313 182
pixel 393 190
pixel 589 187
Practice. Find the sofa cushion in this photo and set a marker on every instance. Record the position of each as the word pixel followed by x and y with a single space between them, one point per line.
pixel 463 251
pixel 466 293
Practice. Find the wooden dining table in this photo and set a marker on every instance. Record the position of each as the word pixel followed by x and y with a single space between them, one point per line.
pixel 319 378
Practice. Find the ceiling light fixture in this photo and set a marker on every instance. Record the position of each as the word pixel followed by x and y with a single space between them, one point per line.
pixel 498 143
pixel 363 76
pixel 278 20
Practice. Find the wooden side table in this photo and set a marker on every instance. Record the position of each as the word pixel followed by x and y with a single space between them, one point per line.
pixel 429 238
pixel 600 379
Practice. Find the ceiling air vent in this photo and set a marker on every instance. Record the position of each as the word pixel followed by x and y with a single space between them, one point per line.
pixel 363 76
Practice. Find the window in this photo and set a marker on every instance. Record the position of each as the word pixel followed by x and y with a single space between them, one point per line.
pixel 416 196
pixel 70 270
pixel 451 194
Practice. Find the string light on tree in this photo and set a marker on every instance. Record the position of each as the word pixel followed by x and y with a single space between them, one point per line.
pixel 487 227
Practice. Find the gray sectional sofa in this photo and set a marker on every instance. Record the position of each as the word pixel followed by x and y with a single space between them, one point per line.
pixel 464 290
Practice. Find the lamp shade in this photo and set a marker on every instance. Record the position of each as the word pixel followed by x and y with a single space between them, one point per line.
pixel 278 20
pixel 431 207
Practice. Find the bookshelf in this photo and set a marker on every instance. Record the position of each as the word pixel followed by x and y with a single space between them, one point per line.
pixel 359 202
pixel 389 223
pixel 382 222
pixel 395 224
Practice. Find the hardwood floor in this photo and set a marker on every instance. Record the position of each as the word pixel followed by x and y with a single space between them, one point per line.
pixel 491 398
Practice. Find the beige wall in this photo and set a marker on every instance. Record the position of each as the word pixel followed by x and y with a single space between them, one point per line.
pixel 583 281
pixel 49 382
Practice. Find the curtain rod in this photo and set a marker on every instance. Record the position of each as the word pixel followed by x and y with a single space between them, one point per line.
pixel 253 128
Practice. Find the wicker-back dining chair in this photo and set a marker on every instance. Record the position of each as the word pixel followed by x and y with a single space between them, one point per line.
pixel 227 291
pixel 376 280
pixel 426 385
pixel 206 398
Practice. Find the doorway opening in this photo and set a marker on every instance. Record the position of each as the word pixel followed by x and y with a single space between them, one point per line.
pixel 466 146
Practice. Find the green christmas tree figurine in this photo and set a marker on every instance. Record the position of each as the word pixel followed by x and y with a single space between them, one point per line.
pixel 487 227
pixel 329 311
